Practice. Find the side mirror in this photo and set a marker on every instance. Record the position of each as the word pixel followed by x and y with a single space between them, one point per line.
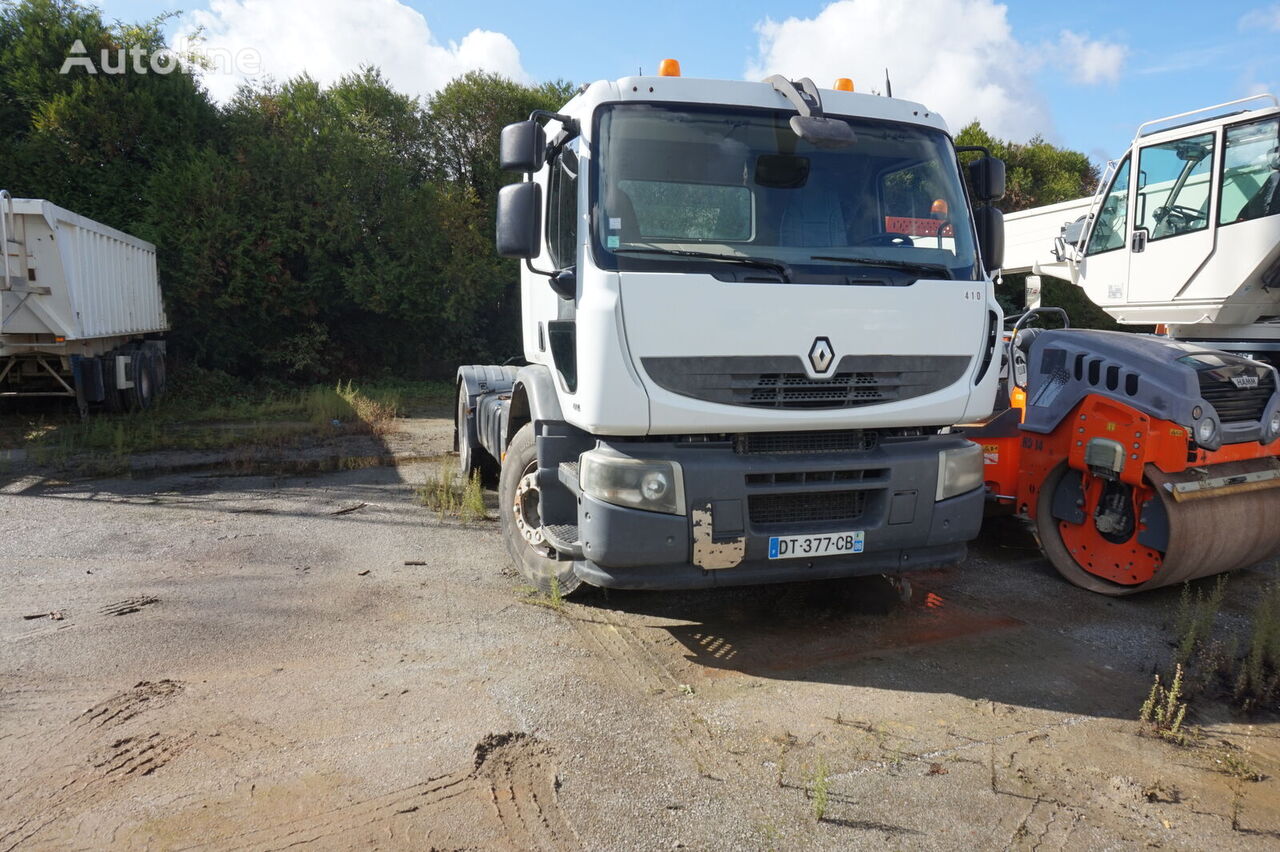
pixel 519 227
pixel 986 176
pixel 522 147
pixel 989 223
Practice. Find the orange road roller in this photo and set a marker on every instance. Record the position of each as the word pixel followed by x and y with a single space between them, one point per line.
pixel 1140 461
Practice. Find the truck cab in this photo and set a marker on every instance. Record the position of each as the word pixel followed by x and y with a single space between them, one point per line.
pixel 751 312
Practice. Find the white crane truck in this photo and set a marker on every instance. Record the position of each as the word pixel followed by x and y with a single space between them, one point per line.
pixel 1183 232
pixel 81 313
pixel 751 312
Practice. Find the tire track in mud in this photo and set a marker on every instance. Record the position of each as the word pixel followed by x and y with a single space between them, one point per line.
pixel 67 619
pixel 635 665
pixel 106 746
pixel 507 799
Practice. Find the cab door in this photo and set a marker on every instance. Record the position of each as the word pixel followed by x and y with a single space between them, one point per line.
pixel 1104 270
pixel 1173 212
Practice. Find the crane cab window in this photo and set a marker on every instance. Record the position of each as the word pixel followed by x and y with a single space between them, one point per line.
pixel 1109 232
pixel 1250 172
pixel 1173 186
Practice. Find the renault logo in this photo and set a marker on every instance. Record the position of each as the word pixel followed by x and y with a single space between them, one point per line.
pixel 821 355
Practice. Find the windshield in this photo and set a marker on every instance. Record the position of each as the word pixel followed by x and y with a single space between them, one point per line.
pixel 735 191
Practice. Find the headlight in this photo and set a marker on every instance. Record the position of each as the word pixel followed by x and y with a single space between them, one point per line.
pixel 1272 430
pixel 1206 430
pixel 959 471
pixel 655 486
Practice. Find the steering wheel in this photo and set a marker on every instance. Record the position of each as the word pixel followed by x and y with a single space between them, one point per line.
pixel 887 240
pixel 1176 217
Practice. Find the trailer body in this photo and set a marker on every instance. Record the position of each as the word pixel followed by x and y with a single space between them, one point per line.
pixel 81 310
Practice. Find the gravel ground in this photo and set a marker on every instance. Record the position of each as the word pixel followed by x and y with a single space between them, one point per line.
pixel 257 662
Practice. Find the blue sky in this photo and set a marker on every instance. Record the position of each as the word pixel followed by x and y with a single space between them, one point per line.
pixel 1083 74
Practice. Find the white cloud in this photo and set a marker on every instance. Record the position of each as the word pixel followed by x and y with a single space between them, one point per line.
pixel 1089 61
pixel 1262 19
pixel 959 57
pixel 329 38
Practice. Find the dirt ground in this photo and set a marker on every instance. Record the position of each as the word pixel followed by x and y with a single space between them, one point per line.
pixel 259 662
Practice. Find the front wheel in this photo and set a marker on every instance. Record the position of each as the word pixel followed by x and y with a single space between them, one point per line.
pixel 519 502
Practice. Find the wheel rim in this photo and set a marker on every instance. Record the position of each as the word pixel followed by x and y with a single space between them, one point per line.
pixel 526 507
pixel 1086 556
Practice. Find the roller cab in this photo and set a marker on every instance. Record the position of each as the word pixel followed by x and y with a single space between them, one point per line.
pixel 1140 461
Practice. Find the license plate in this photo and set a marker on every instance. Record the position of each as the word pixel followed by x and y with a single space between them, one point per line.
pixel 826 544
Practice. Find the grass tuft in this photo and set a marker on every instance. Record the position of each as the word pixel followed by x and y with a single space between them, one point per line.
pixel 1196 615
pixel 820 789
pixel 447 494
pixel 1164 711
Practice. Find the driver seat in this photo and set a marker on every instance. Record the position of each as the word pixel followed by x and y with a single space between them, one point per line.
pixel 1266 201
pixel 813 219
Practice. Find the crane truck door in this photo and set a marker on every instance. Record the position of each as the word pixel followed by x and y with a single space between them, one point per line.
pixel 1173 208
pixel 1104 273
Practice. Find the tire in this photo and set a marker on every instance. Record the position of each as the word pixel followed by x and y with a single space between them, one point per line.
pixel 143 393
pixel 113 399
pixel 159 371
pixel 471 458
pixel 534 558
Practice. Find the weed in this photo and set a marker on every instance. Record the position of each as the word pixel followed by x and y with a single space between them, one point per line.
pixel 770 834
pixel 440 492
pixel 1258 684
pixel 1231 762
pixel 687 690
pixel 472 503
pixel 1196 615
pixel 554 597
pixel 1164 710
pixel 819 788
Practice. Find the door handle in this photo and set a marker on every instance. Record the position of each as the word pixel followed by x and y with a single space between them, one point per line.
pixel 1139 241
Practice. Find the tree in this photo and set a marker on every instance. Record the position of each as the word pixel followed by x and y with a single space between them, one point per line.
pixel 1038 173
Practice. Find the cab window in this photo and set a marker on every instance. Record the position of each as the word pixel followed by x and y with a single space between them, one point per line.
pixel 1251 172
pixel 1173 187
pixel 562 207
pixel 1109 232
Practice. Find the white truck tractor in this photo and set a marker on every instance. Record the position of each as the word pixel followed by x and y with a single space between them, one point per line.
pixel 751 314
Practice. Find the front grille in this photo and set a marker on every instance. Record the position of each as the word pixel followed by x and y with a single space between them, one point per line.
pixel 815 477
pixel 797 390
pixel 841 441
pixel 1237 405
pixel 781 381
pixel 805 508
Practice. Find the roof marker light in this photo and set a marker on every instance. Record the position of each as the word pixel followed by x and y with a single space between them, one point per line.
pixel 843 84
pixel 669 68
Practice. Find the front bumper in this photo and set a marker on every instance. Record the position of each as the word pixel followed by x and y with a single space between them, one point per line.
pixel 737 502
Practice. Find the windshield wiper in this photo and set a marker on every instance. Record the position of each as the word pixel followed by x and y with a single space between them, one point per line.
pixel 912 265
pixel 759 262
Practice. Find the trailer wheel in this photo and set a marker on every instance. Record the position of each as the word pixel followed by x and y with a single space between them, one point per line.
pixel 158 372
pixel 113 399
pixel 471 459
pixel 143 393
pixel 518 500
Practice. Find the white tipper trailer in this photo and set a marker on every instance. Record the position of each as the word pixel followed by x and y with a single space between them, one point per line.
pixel 81 313
pixel 751 313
